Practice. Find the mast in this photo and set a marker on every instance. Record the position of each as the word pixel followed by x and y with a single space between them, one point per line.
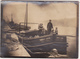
pixel 11 17
pixel 26 15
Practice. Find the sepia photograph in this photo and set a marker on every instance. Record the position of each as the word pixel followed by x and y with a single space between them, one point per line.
pixel 39 29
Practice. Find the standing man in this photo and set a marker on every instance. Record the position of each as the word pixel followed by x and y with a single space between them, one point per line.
pixel 49 27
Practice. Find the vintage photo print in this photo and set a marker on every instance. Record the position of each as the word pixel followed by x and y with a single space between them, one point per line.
pixel 39 29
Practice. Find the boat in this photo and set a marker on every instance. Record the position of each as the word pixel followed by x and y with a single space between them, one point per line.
pixel 40 45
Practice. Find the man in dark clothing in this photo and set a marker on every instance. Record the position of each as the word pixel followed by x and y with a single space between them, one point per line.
pixel 49 27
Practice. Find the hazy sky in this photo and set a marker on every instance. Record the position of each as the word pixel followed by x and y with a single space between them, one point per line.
pixel 53 10
pixel 66 13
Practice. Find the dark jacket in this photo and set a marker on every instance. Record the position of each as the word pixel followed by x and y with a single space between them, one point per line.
pixel 49 25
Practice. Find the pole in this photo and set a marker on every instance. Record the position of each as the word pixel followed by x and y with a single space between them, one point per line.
pixel 26 15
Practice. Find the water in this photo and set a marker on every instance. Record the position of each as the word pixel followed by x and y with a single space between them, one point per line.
pixel 61 30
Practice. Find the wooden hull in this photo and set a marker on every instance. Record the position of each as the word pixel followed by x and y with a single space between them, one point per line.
pixel 46 43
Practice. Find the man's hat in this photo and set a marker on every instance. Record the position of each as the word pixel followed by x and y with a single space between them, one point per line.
pixel 50 20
